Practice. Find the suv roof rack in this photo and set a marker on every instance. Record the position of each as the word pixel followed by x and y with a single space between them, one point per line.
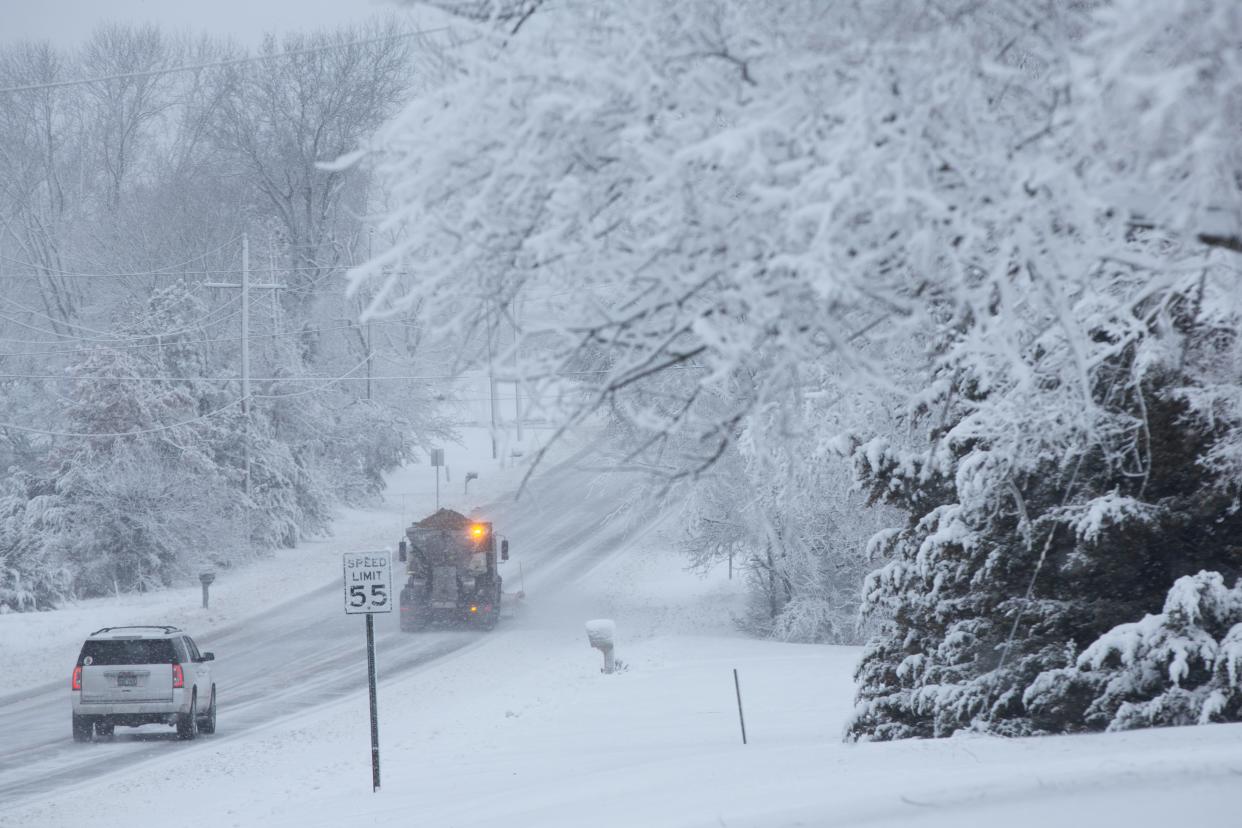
pixel 169 630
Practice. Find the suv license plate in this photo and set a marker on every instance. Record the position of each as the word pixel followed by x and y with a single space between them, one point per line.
pixel 127 680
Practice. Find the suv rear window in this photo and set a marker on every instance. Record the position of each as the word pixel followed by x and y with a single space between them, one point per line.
pixel 129 651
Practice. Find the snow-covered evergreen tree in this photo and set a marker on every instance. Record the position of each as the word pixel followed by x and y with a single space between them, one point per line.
pixel 1040 519
pixel 1079 462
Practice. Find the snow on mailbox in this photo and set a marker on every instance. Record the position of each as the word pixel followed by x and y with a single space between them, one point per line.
pixel 600 634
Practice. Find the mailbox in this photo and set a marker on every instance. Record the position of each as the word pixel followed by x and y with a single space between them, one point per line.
pixel 205 578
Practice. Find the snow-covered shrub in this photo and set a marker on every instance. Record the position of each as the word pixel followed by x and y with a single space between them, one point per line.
pixel 781 511
pixel 1181 666
pixel 33 574
pixel 366 441
pixel 132 521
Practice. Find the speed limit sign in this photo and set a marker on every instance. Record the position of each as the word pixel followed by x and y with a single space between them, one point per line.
pixel 368 590
pixel 368 582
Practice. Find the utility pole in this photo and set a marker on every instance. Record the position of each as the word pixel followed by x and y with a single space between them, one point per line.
pixel 271 277
pixel 245 348
pixel 370 247
pixel 491 379
pixel 245 358
pixel 517 373
pixel 245 287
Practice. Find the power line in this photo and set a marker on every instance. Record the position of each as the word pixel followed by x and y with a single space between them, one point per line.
pixel 313 390
pixel 221 63
pixel 68 324
pixel 394 377
pixel 135 433
pixel 52 319
pixel 94 378
pixel 183 423
pixel 181 343
pixel 41 270
pixel 206 320
pixel 180 273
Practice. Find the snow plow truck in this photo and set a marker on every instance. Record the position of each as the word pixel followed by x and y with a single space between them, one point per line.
pixel 451 575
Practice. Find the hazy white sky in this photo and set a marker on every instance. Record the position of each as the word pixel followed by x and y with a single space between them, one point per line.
pixel 69 22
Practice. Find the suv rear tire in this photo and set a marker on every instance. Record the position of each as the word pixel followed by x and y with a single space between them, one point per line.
pixel 208 724
pixel 187 723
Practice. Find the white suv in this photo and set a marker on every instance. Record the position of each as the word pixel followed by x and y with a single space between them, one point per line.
pixel 134 676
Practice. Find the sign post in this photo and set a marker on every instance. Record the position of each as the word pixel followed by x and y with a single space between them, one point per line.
pixel 437 460
pixel 368 590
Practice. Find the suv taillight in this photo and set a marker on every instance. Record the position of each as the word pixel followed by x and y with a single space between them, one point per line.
pixel 76 682
pixel 178 676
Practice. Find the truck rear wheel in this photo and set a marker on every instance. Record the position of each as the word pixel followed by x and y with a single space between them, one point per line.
pixel 411 619
pixel 83 727
pixel 492 617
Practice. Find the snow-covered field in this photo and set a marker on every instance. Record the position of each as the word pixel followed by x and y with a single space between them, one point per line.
pixel 524 730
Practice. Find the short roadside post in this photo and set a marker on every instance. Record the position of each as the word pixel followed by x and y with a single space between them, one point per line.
pixel 368 590
pixel 737 686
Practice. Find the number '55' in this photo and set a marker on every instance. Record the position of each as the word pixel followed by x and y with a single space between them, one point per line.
pixel 358 595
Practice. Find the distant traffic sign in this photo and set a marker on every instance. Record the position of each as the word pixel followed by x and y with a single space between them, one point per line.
pixel 368 582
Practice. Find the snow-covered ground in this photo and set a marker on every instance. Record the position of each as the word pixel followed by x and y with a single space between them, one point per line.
pixel 524 730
